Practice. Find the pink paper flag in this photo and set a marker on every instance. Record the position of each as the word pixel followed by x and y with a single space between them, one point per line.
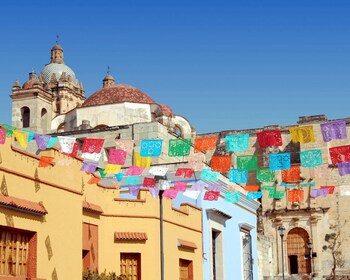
pixel 196 161
pixel 169 193
pixel 180 186
pixel 116 156
pixel 134 170
pixel 126 145
pixel 2 135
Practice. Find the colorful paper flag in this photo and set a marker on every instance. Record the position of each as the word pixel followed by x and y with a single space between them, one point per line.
pixel 45 161
pixel 112 168
pixel 198 186
pixel 311 158
pixel 140 161
pixel 134 170
pixel 330 189
pixel 292 174
pixel 220 163
pixel 215 188
pixel 91 156
pixel 205 143
pixel 184 172
pixel 119 176
pixel 295 195
pixel 92 145
pixel 125 145
pixel 151 148
pixel 89 167
pixel 158 170
pixel 253 195
pixel 237 142
pixel 42 140
pixel 251 188
pixel 319 171
pixel 232 197
pixel 9 129
pixel 66 144
pixel 2 135
pixel 280 161
pixel 196 161
pixel 169 193
pixel 238 176
pixel 249 162
pixel 116 156
pixel 179 147
pixel 265 175
pixel 180 186
pixel 269 138
pixel 211 195
pixel 154 192
pixel 319 192
pixel 339 154
pixel 149 182
pixel 134 190
pixel 132 180
pixel 334 130
pixel 209 175
pixel 344 168
pixel 302 134
pixel 74 151
pixel 94 180
pixel 52 142
pixel 31 135
pixel 191 194
pixel 22 138
pixel 278 195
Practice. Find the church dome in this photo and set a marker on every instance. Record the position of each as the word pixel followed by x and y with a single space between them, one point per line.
pixel 57 69
pixel 119 93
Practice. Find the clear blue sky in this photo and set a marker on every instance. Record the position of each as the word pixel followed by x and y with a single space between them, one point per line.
pixel 221 64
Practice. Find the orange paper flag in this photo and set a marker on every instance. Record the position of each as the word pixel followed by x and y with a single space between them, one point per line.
pixel 291 175
pixel 251 188
pixel 205 144
pixel 221 163
pixel 45 161
pixel 296 195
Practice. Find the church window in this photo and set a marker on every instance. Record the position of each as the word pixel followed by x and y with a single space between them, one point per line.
pixel 44 118
pixel 25 112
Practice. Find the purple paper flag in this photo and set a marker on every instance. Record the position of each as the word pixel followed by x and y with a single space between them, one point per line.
pixel 198 186
pixel 134 190
pixel 344 168
pixel 334 130
pixel 42 140
pixel 215 188
pixel 154 192
pixel 319 192
pixel 89 167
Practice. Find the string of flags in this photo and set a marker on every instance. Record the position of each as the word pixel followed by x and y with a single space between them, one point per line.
pixel 91 151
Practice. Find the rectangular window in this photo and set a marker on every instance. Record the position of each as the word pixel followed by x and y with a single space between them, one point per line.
pixel 15 258
pixel 186 269
pixel 217 254
pixel 247 257
pixel 130 265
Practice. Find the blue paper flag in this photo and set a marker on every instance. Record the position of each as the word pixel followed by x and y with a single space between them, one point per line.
pixel 119 176
pixel 311 158
pixel 280 161
pixel 233 197
pixel 237 142
pixel 238 176
pixel 253 195
pixel 151 148
pixel 52 142
pixel 209 175
pixel 132 180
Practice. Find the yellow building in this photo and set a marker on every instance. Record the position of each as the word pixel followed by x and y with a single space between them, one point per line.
pixel 53 224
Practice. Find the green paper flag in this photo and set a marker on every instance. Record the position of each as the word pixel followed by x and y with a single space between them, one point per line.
pixel 278 195
pixel 247 162
pixel 179 147
pixel 265 175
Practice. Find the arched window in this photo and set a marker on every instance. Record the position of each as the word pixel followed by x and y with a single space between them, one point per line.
pixel 297 240
pixel 60 128
pixel 44 118
pixel 25 113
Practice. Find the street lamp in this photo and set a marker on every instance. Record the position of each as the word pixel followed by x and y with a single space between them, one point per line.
pixel 309 245
pixel 162 184
pixel 281 230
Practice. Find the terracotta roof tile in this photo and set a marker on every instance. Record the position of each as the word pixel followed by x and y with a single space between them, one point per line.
pixel 166 110
pixel 130 236
pixel 22 205
pixel 186 244
pixel 87 206
pixel 117 94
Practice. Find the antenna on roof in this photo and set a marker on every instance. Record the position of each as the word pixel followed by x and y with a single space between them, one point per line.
pixel 57 39
pixel 108 69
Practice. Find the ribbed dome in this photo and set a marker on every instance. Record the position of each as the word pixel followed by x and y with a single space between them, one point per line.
pixel 117 94
pixel 57 69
